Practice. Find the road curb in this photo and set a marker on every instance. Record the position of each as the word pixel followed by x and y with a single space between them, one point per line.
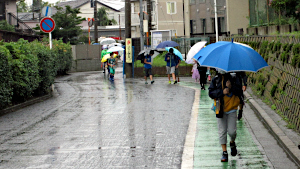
pixel 288 146
pixel 25 104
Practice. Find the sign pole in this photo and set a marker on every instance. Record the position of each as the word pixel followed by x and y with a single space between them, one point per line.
pixel 50 40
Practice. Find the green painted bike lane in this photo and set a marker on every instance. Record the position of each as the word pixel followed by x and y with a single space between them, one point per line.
pixel 208 151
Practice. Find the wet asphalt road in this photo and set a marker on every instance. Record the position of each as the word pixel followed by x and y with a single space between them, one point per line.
pixel 94 123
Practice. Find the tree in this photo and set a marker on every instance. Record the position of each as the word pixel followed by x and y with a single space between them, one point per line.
pixel 67 22
pixel 6 26
pixel 22 6
pixel 290 8
pixel 102 16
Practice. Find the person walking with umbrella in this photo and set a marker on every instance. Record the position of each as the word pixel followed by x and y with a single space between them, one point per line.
pixel 111 62
pixel 171 64
pixel 103 53
pixel 226 94
pixel 148 67
pixel 202 71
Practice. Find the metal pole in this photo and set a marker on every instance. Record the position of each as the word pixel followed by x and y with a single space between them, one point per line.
pixel 50 40
pixel 141 25
pixel 216 21
pixel 184 30
pixel 120 27
pixel 96 22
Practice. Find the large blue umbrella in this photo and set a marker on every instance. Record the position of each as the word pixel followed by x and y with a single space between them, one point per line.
pixel 167 44
pixel 230 57
pixel 175 51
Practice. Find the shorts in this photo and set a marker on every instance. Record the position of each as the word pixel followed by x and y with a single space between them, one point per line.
pixel 111 70
pixel 170 70
pixel 148 72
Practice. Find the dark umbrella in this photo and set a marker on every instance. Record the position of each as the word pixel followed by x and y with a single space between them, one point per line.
pixel 165 44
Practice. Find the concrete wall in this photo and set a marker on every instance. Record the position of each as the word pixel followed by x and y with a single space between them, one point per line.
pixel 237 13
pixel 11 7
pixel 86 58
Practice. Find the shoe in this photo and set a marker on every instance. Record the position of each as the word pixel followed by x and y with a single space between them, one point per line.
pixel 175 82
pixel 233 149
pixel 224 157
pixel 169 82
pixel 146 82
pixel 240 115
pixel 152 81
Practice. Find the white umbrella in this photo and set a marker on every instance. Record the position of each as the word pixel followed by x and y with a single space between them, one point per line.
pixel 193 51
pixel 115 44
pixel 115 49
pixel 107 41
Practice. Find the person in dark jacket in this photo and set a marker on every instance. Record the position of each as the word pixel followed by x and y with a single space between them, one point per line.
pixel 202 71
pixel 226 93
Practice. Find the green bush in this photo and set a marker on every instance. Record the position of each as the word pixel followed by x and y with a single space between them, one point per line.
pixel 6 78
pixel 47 71
pixel 63 56
pixel 25 70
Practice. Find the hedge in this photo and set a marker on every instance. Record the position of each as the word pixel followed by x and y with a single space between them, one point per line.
pixel 29 69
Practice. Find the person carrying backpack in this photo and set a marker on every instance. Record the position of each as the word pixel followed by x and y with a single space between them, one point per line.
pixel 226 93
pixel 148 67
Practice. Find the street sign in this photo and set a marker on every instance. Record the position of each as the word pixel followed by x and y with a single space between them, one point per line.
pixel 47 11
pixel 90 22
pixel 47 25
pixel 128 50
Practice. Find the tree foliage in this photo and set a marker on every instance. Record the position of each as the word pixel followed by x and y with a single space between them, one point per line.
pixel 290 8
pixel 102 16
pixel 22 6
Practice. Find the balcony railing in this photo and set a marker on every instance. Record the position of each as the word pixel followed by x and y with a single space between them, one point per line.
pixel 20 26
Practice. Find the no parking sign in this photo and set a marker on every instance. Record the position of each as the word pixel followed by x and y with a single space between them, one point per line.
pixel 47 25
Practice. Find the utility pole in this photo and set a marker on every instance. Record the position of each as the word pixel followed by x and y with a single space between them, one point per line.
pixel 149 10
pixel 128 66
pixel 216 21
pixel 96 22
pixel 141 25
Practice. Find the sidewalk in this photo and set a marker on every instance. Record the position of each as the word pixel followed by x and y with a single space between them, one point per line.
pixel 287 138
pixel 251 154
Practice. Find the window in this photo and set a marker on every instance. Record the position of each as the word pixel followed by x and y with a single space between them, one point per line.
pixel 201 1
pixel 203 22
pixel 171 7
pixel 192 2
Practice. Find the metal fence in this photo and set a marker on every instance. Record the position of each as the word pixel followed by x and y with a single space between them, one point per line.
pixel 262 14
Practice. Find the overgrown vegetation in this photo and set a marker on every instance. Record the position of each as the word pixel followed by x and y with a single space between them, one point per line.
pixel 6 27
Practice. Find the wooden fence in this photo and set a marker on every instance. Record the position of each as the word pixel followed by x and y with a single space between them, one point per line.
pixel 280 82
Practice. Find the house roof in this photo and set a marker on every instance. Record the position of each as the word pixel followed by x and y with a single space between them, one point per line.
pixel 115 5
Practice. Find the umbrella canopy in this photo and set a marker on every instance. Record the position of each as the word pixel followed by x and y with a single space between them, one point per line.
pixel 105 57
pixel 115 49
pixel 230 57
pixel 107 41
pixel 114 44
pixel 176 52
pixel 167 44
pixel 145 52
pixel 193 51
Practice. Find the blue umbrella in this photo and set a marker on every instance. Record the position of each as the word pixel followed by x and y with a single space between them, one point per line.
pixel 230 57
pixel 167 44
pixel 175 51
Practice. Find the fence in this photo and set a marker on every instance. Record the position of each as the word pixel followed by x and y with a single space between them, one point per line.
pixel 280 82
